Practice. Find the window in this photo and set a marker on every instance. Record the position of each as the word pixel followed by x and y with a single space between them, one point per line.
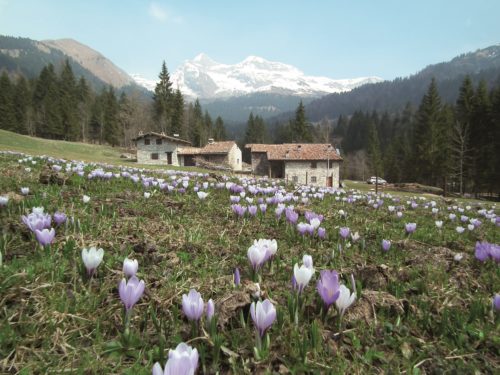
pixel 154 156
pixel 313 179
pixel 147 141
pixel 313 165
pixel 295 179
pixel 158 141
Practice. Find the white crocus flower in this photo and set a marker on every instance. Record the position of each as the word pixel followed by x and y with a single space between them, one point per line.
pixel 345 299
pixel 92 258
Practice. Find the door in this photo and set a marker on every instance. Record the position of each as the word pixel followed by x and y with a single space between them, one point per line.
pixel 329 181
pixel 169 158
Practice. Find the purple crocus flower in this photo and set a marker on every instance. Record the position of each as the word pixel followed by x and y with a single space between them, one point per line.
pixel 59 218
pixel 181 361
pixel 257 255
pixel 344 232
pixel 410 227
pixel 496 302
pixel 130 291
pixel 386 245
pixel 130 267
pixel 236 276
pixel 45 236
pixel 263 208
pixel 321 232
pixel 252 210
pixel 328 287
pixel 210 310
pixel 482 251
pixel 192 305
pixel 302 228
pixel 291 216
pixel 263 315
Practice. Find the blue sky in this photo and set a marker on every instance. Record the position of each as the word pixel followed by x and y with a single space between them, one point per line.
pixel 337 39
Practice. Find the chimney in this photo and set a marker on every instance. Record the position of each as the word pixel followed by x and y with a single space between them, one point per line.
pixel 210 141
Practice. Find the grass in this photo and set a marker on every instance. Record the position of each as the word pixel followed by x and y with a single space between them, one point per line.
pixel 418 310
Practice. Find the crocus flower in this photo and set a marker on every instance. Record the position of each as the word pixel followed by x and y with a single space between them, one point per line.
pixel 344 232
pixel 410 227
pixel 59 217
pixel 4 199
pixel 345 299
pixel 291 216
pixel 45 236
pixel 315 223
pixel 92 258
pixel 130 291
pixel 328 287
pixel 202 195
pixel 257 255
pixel 439 224
pixel 252 210
pixel 458 257
pixel 147 194
pixel 496 302
pixel 86 199
pixel 236 276
pixel 210 310
pixel 302 228
pixel 308 261
pixel 460 229
pixel 386 245
pixel 181 361
pixel 355 236
pixel 25 190
pixel 130 267
pixel 302 275
pixel 321 232
pixel 192 305
pixel 263 315
pixel 263 208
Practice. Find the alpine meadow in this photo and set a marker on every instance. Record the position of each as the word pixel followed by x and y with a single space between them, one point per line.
pixel 247 211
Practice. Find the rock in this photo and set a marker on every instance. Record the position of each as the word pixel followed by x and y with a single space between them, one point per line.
pixel 49 176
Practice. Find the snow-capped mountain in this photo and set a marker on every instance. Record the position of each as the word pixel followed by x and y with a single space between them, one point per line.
pixel 205 78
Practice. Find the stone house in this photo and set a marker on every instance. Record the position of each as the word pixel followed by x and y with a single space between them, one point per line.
pixel 158 148
pixel 226 153
pixel 301 163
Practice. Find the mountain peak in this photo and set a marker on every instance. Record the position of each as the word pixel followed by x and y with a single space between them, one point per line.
pixel 205 78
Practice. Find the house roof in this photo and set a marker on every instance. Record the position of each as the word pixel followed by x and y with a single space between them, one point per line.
pixel 188 150
pixel 296 151
pixel 211 148
pixel 218 147
pixel 161 135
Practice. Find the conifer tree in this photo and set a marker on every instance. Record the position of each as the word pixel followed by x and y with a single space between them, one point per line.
pixel 112 132
pixel 47 105
pixel 68 104
pixel 7 112
pixel 178 113
pixel 207 124
pixel 196 129
pixel 84 100
pixel 22 107
pixel 163 101
pixel 219 130
pixel 300 128
pixel 373 151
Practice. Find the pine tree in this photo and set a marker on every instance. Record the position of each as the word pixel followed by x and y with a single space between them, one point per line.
pixel 196 129
pixel 69 104
pixel 22 106
pixel 219 130
pixel 300 128
pixel 125 114
pixel 427 136
pixel 163 101
pixel 7 110
pixel 207 124
pixel 178 113
pixel 112 132
pixel 46 104
pixel 84 100
pixel 373 151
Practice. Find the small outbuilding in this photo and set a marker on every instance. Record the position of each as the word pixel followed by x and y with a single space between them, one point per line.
pixel 316 164
pixel 224 153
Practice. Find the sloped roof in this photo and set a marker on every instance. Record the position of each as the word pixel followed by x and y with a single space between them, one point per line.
pixel 161 135
pixel 188 150
pixel 297 151
pixel 218 147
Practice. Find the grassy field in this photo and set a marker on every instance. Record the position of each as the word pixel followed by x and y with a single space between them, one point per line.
pixel 423 306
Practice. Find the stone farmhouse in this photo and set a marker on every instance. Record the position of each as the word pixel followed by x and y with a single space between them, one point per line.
pixel 158 148
pixel 301 163
pixel 225 153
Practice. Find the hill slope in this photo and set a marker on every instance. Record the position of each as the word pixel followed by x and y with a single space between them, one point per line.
pixel 393 95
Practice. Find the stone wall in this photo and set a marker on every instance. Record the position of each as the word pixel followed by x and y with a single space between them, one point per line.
pixel 260 164
pixel 305 175
pixel 234 158
pixel 144 151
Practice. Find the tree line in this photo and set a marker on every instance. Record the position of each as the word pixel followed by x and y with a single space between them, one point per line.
pixel 58 105
pixel 450 146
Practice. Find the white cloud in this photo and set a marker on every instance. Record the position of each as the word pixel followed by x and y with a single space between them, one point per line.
pixel 157 12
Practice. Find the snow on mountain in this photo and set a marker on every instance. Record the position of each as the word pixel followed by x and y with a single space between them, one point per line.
pixel 205 78
pixel 149 84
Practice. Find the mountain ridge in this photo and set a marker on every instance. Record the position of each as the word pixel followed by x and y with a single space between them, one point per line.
pixel 206 79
